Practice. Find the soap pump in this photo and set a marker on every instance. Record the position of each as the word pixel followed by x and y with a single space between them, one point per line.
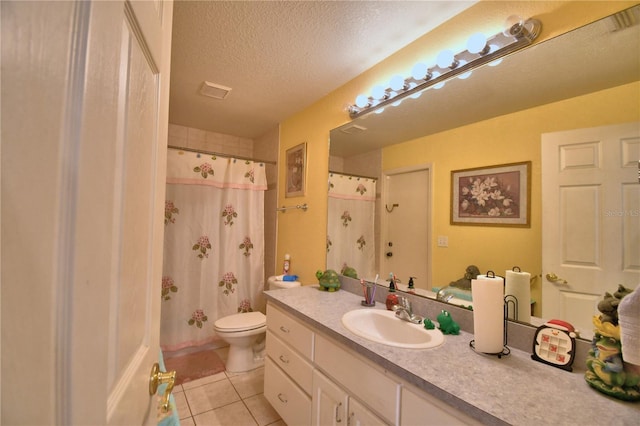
pixel 411 288
pixel 392 298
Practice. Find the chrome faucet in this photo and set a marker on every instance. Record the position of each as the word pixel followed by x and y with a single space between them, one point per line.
pixel 404 311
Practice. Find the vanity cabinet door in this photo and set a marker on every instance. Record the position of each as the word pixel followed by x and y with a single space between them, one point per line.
pixel 359 415
pixel 329 402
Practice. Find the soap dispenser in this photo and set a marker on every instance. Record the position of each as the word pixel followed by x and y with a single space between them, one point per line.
pixel 392 298
pixel 411 288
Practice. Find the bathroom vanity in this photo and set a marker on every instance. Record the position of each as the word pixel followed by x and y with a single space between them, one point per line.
pixel 318 373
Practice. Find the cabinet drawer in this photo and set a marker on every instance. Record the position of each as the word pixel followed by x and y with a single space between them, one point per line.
pixel 290 362
pixel 290 331
pixel 293 405
pixel 371 386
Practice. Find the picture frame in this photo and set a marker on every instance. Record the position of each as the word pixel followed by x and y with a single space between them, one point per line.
pixel 296 171
pixel 497 195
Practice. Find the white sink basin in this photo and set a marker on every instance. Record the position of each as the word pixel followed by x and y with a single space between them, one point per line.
pixel 383 327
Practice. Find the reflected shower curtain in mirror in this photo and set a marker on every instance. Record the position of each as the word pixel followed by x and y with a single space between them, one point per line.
pixel 350 224
pixel 213 244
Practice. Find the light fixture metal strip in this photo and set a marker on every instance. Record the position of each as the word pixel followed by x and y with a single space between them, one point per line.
pixel 520 36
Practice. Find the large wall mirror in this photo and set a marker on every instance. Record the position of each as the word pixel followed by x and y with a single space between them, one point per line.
pixel 597 58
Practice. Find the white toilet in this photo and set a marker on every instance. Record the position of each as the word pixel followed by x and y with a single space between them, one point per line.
pixel 244 331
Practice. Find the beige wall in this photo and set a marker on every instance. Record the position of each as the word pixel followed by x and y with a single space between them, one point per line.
pixel 303 234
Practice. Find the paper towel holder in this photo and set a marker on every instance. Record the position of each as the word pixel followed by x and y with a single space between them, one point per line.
pixel 505 349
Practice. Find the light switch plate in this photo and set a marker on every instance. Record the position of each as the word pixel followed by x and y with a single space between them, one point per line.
pixel 443 241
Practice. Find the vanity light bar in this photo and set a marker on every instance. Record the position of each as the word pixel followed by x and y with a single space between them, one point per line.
pixel 517 36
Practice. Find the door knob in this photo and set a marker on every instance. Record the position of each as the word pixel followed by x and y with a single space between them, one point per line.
pixel 157 378
pixel 555 279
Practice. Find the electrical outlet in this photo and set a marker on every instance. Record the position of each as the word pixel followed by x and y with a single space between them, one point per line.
pixel 443 241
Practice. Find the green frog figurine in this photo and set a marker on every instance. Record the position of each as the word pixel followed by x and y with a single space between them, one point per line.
pixel 447 324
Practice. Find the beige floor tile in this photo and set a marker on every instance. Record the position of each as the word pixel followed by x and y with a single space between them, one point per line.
pixel 211 396
pixel 181 405
pixel 235 414
pixel 187 422
pixel 250 383
pixel 261 410
pixel 204 381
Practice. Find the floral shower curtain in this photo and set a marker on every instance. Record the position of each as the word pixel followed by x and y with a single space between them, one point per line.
pixel 350 225
pixel 213 244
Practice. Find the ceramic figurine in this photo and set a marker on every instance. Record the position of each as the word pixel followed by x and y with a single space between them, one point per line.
pixel 447 324
pixel 348 271
pixel 605 368
pixel 428 324
pixel 328 280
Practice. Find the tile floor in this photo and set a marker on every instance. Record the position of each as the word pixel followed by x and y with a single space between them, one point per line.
pixel 226 399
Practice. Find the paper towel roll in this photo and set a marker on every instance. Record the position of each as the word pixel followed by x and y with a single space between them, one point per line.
pixel 518 284
pixel 488 314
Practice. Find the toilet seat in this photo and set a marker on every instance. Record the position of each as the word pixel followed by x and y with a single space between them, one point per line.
pixel 241 322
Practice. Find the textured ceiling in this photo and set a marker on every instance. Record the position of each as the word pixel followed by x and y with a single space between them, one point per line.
pixel 281 56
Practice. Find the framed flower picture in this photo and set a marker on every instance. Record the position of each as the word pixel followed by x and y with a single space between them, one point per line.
pixel 492 196
pixel 296 159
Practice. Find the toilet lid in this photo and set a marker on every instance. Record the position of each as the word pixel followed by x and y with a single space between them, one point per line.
pixel 243 321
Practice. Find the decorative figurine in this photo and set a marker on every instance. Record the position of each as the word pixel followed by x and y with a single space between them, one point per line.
pixel 471 273
pixel 606 370
pixel 447 324
pixel 348 271
pixel 328 280
pixel 428 324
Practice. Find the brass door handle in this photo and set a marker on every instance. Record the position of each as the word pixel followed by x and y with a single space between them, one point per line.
pixel 555 279
pixel 157 378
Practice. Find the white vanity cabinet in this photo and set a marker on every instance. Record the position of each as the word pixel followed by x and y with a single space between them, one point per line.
pixel 311 379
pixel 334 406
pixel 288 369
pixel 420 409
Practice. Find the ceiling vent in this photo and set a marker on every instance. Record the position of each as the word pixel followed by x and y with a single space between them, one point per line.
pixel 213 90
pixel 350 130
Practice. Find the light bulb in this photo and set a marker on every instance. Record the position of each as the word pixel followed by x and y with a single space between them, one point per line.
pixel 397 82
pixel 513 26
pixel 362 101
pixel 419 71
pixel 378 92
pixel 446 59
pixel 477 43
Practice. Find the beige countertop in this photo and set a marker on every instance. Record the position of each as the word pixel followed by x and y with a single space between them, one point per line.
pixel 513 389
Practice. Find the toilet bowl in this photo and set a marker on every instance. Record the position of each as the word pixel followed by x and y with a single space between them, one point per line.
pixel 245 334
pixel 242 332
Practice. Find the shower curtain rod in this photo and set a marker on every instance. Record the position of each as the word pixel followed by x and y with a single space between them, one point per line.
pixel 352 175
pixel 219 154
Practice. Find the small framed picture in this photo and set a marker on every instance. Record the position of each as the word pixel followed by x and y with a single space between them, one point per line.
pixel 492 196
pixel 296 170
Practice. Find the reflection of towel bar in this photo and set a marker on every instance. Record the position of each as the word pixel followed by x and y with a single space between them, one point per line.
pixel 393 206
pixel 297 206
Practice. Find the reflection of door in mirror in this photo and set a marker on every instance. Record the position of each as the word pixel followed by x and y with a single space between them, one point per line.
pixel 405 225
pixel 590 219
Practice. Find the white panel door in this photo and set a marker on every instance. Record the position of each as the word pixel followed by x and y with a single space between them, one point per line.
pixel 329 402
pixel 590 219
pixel 85 113
pixel 406 233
